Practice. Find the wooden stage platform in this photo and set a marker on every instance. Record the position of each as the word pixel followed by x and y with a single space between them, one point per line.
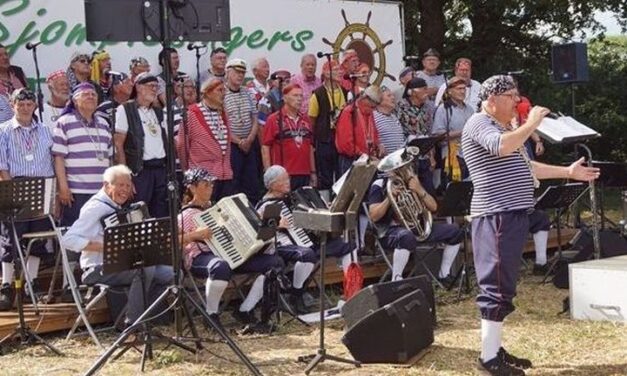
pixel 61 316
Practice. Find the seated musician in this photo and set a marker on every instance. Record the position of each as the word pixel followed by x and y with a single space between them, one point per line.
pixel 277 181
pixel 404 241
pixel 203 263
pixel 539 225
pixel 25 145
pixel 86 236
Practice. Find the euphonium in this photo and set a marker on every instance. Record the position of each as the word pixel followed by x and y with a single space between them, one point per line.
pixel 406 203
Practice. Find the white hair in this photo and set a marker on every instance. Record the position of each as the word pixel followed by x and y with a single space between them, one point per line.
pixel 272 174
pixel 258 61
pixel 113 172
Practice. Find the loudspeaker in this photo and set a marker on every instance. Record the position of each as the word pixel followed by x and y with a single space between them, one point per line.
pixel 373 297
pixel 612 244
pixel 394 333
pixel 569 62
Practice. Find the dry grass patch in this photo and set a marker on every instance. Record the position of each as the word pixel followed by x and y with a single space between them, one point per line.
pixel 556 345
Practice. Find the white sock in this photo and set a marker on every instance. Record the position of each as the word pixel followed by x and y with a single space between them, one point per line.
pixel 346 260
pixel 302 270
pixel 399 260
pixel 213 294
pixel 8 272
pixel 491 334
pixel 254 295
pixel 363 224
pixel 72 267
pixel 540 239
pixel 32 267
pixel 448 257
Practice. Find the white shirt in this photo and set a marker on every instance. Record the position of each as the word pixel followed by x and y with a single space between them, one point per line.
pixel 153 143
pixel 50 115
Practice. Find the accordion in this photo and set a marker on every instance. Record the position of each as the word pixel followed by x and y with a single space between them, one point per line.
pixel 134 213
pixel 234 224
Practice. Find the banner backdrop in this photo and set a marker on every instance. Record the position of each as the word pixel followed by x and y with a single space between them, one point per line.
pixel 281 30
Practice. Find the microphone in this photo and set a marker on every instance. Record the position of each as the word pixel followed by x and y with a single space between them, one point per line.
pixel 411 58
pixel 30 46
pixel 515 73
pixel 352 76
pixel 321 54
pixel 196 45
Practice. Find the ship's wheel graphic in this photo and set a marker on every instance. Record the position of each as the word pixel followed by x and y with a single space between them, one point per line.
pixel 365 41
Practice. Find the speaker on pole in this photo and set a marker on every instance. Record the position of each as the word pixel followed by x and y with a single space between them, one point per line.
pixel 569 63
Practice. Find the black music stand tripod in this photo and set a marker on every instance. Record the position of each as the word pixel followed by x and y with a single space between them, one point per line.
pixel 136 246
pixel 22 199
pixel 559 197
pixel 456 203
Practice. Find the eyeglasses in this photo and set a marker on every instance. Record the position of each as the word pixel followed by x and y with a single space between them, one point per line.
pixel 151 85
pixel 512 96
pixel 84 61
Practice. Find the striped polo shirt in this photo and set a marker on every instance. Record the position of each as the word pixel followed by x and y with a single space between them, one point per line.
pixel 6 111
pixel 390 131
pixel 501 183
pixel 26 151
pixel 240 109
pixel 86 148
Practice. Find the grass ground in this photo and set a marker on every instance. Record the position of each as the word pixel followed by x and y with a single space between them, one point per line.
pixel 556 345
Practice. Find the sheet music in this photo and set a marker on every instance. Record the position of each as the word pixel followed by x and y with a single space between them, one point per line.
pixel 565 129
pixel 337 186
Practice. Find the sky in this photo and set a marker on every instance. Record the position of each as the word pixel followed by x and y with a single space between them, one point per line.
pixel 607 19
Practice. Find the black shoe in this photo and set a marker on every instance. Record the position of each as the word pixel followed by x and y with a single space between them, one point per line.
pixel 245 318
pixel 66 296
pixel 497 367
pixel 216 320
pixel 36 288
pixel 512 360
pixel 447 281
pixel 297 302
pixel 540 269
pixel 7 295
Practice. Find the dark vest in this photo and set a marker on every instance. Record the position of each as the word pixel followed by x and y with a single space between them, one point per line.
pixel 134 142
pixel 322 129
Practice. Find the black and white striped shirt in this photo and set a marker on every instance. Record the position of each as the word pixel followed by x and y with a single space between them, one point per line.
pixel 390 131
pixel 240 109
pixel 501 183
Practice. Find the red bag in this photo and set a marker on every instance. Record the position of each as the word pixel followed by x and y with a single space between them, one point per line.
pixel 353 280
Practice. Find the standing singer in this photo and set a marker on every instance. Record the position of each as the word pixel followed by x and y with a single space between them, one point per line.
pixel 504 180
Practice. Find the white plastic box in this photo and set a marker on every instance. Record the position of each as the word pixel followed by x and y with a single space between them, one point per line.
pixel 598 289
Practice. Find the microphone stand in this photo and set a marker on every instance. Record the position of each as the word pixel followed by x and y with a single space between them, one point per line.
pixel 198 55
pixel 40 96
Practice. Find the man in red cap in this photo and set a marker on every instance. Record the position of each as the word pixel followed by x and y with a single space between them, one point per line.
pixel 288 140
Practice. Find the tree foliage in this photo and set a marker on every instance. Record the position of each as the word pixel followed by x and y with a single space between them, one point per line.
pixel 508 35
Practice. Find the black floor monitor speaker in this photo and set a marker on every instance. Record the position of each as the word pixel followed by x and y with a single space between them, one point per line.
pixel 373 297
pixel 569 62
pixel 394 333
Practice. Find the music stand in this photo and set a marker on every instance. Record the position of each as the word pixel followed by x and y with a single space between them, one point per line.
pixel 136 246
pixel 613 175
pixel 559 198
pixel 23 199
pixel 346 205
pixel 456 203
pixel 426 143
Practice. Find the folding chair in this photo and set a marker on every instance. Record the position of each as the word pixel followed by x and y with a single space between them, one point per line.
pixel 84 305
pixel 421 253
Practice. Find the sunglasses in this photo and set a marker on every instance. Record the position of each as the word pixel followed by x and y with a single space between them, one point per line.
pixel 25 95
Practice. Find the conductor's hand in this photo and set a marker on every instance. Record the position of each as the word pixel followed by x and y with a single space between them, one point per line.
pixel 536 115
pixel 578 171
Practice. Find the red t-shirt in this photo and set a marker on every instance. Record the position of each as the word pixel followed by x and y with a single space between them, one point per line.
pixel 292 149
